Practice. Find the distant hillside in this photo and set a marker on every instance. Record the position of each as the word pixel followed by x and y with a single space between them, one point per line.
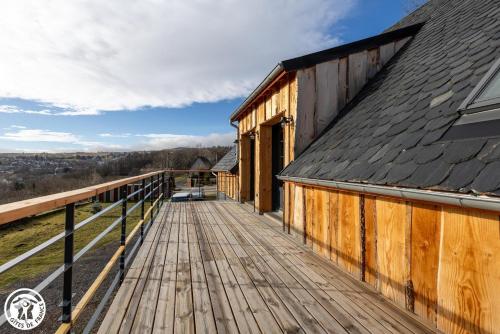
pixel 30 175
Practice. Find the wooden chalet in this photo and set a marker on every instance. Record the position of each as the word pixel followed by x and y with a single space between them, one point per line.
pixel 227 175
pixel 383 156
pixel 296 102
pixel 202 175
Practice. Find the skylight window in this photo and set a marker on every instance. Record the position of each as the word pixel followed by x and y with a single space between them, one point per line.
pixel 480 110
pixel 491 91
pixel 486 95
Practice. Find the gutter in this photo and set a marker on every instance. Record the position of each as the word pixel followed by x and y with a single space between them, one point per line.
pixel 237 139
pixel 268 79
pixel 461 200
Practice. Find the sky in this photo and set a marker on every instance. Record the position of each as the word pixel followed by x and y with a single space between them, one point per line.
pixel 121 75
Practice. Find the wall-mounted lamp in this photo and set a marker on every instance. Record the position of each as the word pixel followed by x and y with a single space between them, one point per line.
pixel 251 135
pixel 236 141
pixel 286 120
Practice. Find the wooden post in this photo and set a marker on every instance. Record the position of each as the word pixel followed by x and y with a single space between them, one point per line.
pixel 362 236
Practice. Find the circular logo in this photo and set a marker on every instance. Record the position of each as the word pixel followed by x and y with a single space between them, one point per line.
pixel 24 309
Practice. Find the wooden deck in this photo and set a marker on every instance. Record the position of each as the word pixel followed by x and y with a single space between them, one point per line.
pixel 209 267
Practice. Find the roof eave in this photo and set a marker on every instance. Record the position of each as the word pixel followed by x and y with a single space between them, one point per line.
pixel 340 51
pixel 441 197
pixel 277 70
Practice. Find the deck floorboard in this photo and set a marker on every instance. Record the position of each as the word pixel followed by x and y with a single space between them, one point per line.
pixel 217 267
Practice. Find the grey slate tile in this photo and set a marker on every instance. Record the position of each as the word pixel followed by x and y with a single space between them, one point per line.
pixel 463 174
pixel 228 162
pixel 489 178
pixel 463 150
pixel 429 153
pixel 401 172
pixel 430 174
pixel 390 135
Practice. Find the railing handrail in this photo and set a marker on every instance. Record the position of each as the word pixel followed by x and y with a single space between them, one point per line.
pixel 91 291
pixel 156 197
pixel 16 210
pixel 187 170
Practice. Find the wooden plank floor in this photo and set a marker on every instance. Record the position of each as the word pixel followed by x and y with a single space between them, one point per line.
pixel 216 267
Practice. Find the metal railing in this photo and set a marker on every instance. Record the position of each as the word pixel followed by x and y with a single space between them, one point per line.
pixel 157 191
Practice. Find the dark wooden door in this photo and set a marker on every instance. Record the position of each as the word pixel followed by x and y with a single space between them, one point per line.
pixel 252 169
pixel 278 157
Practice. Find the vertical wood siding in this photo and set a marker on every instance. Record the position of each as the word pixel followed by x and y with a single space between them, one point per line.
pixel 280 100
pixel 324 89
pixel 442 263
pixel 227 184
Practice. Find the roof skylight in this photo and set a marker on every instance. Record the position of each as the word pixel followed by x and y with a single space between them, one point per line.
pixel 480 110
pixel 486 95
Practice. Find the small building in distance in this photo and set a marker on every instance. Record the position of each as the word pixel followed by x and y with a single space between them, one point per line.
pixel 202 178
pixel 227 175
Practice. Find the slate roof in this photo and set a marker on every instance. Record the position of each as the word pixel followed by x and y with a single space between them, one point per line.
pixel 228 162
pixel 390 135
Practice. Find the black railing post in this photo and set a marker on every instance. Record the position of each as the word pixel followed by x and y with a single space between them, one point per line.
pixel 69 227
pixel 143 194
pixel 151 200
pixel 163 188
pixel 158 191
pixel 124 231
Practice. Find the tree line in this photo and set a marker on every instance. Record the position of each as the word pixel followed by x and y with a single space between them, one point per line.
pixel 27 184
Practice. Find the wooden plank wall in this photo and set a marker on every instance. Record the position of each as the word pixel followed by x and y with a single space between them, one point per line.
pixel 440 262
pixel 324 89
pixel 313 97
pixel 280 99
pixel 227 183
pixel 244 168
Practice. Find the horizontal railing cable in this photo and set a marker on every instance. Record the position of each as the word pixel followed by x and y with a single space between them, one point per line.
pixel 66 327
pixel 104 300
pixel 23 257
pixel 133 194
pixel 6 266
pixel 156 196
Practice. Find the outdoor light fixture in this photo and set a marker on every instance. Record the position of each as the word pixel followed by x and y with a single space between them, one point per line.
pixel 286 120
pixel 251 135
pixel 236 141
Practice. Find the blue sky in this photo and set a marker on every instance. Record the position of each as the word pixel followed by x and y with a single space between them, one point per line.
pixel 86 91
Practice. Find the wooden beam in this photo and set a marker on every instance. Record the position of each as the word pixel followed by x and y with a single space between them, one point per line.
pixel 17 210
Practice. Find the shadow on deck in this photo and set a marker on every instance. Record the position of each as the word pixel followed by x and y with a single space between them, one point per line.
pixel 210 267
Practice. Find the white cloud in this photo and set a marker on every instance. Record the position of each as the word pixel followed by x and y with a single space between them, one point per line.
pixel 22 134
pixel 38 135
pixel 151 141
pixel 158 141
pixel 9 109
pixel 87 56
pixel 115 135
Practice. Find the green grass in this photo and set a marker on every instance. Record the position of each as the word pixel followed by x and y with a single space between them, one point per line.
pixel 15 240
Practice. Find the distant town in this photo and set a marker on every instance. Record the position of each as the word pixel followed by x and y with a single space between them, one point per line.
pixel 46 164
pixel 27 175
